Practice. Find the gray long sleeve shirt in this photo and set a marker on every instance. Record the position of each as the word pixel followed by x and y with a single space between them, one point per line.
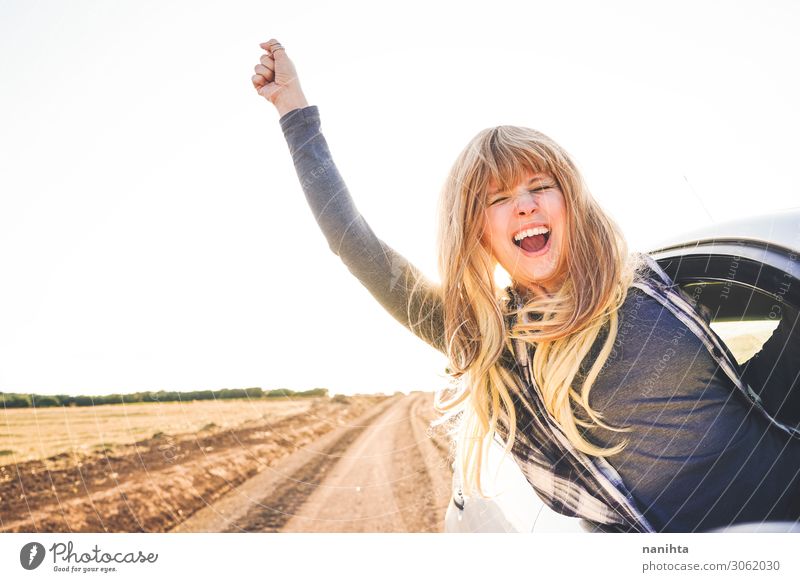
pixel 699 455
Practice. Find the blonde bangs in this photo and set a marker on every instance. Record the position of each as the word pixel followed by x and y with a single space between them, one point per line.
pixel 503 157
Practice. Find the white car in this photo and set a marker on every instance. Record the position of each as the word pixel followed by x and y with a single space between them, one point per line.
pixel 743 268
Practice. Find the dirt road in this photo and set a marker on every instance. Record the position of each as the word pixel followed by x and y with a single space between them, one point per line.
pixel 383 473
pixel 361 463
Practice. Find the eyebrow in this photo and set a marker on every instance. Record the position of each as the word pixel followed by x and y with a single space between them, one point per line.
pixel 537 178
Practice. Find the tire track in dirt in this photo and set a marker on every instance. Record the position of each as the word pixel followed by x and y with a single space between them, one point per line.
pixel 393 479
pixel 417 468
pixel 274 511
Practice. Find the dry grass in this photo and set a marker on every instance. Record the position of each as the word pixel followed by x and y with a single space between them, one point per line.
pixel 29 433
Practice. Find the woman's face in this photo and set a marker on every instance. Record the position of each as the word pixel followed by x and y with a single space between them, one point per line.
pixel 524 230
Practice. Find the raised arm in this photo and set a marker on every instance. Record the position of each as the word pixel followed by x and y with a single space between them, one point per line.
pixel 399 286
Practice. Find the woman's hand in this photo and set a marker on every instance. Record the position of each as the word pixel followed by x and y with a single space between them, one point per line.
pixel 276 79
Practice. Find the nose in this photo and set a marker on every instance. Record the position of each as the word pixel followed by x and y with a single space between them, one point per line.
pixel 526 203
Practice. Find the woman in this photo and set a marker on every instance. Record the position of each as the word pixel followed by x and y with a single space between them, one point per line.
pixel 674 439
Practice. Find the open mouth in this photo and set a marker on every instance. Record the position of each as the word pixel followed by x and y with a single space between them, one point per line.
pixel 532 240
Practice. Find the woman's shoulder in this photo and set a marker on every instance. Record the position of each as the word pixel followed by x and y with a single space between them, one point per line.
pixel 645 278
pixel 651 279
pixel 646 270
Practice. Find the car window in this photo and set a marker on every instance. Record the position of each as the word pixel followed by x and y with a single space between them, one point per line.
pixel 744 316
pixel 744 338
pixel 739 286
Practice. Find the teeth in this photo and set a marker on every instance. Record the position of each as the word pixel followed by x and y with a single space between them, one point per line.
pixel 531 232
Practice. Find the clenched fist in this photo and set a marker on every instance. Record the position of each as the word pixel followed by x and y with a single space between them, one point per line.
pixel 276 79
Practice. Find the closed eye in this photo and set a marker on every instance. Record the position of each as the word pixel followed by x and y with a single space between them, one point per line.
pixel 500 199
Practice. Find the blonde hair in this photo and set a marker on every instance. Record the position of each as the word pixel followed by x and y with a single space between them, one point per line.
pixel 563 325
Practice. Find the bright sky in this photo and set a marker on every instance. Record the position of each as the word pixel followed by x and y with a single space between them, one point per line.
pixel 153 233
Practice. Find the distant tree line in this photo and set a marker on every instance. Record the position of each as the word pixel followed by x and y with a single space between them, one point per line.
pixel 16 400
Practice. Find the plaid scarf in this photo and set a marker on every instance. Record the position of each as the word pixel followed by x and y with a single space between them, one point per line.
pixel 571 482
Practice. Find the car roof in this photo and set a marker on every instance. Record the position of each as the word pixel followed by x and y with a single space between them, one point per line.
pixel 776 228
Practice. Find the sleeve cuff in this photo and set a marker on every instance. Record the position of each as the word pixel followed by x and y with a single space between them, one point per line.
pixel 302 116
